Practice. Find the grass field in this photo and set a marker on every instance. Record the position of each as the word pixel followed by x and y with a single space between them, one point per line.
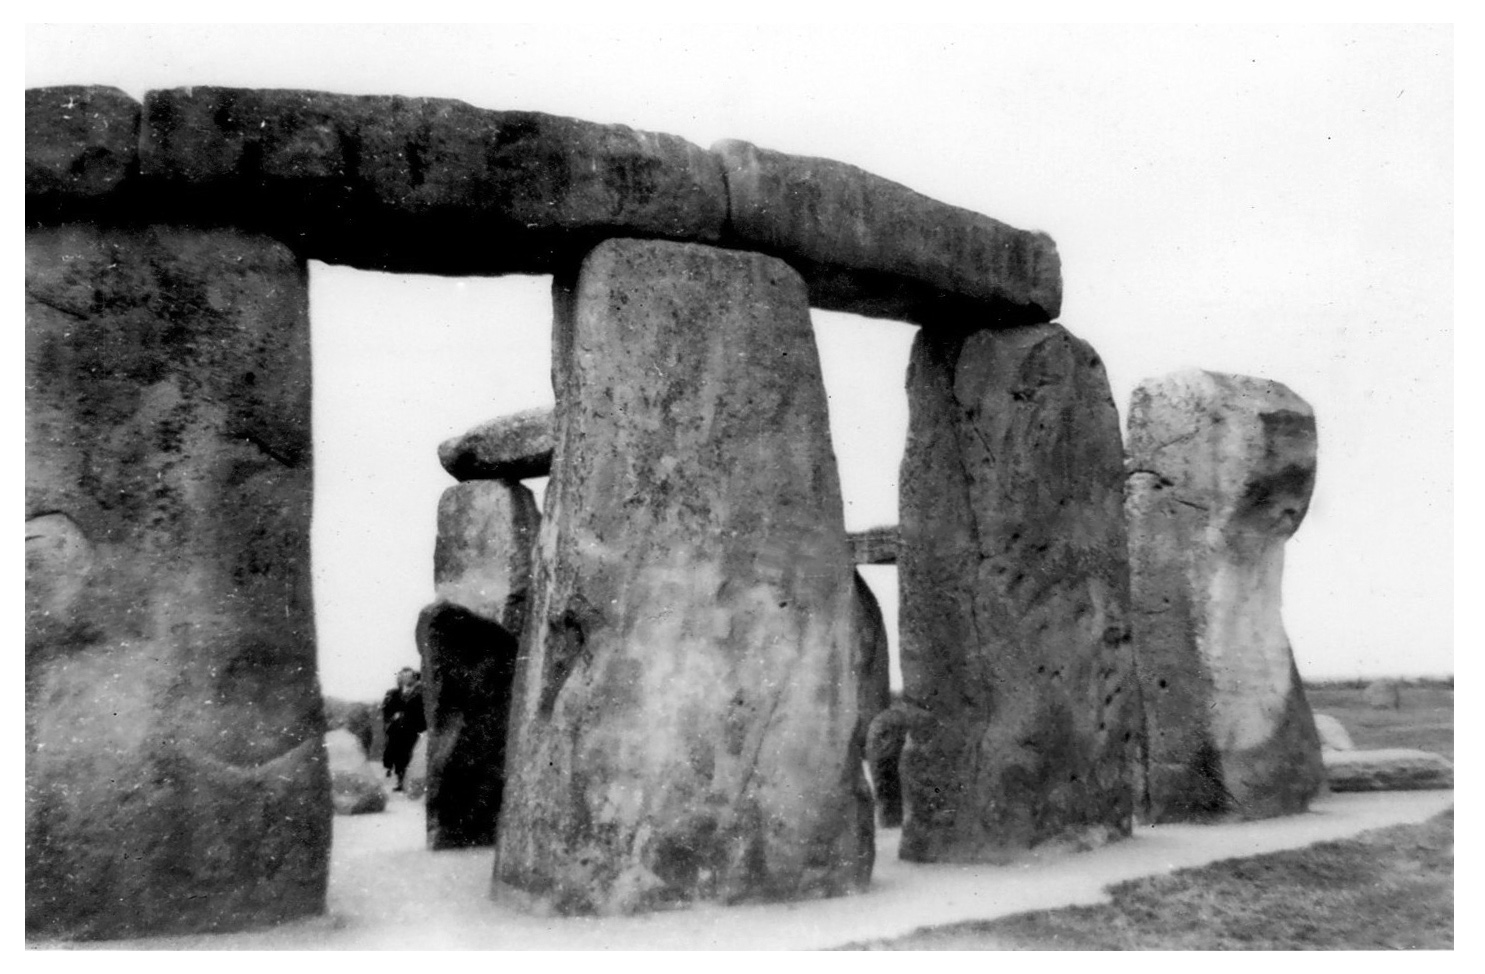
pixel 1388 889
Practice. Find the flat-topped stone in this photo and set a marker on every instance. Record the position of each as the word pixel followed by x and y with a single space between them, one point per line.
pixel 870 246
pixel 874 546
pixel 423 185
pixel 1387 769
pixel 82 142
pixel 513 447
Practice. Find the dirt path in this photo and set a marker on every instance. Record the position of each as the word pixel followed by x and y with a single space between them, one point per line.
pixel 387 892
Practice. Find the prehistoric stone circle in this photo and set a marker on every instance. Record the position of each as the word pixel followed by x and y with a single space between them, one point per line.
pixel 175 773
pixel 1014 578
pixel 1221 470
pixel 697 672
pixel 685 723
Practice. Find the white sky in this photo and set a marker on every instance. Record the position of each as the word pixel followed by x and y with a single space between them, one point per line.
pixel 1273 201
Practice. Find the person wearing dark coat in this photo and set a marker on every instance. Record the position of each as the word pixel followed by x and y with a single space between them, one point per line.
pixel 403 720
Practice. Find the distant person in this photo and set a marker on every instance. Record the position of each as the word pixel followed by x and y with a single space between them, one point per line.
pixel 403 720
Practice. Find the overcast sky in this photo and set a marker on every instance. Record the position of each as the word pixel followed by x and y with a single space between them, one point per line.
pixel 1270 201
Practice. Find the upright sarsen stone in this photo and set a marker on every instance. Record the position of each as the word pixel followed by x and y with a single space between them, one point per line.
pixel 175 770
pixel 1221 471
pixel 874 662
pixel 482 554
pixel 685 707
pixel 1014 579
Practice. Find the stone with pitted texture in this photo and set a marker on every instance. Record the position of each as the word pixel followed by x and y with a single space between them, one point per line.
pixel 512 447
pixel 82 143
pixel 422 185
pixel 685 722
pixel 468 664
pixel 1014 577
pixel 1221 471
pixel 873 247
pixel 482 554
pixel 175 769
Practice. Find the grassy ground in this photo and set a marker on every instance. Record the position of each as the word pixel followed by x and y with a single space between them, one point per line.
pixel 1388 889
pixel 1426 720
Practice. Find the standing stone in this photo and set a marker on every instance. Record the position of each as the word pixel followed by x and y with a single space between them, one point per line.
pixel 874 663
pixel 1014 588
pixel 175 769
pixel 468 664
pixel 1221 470
pixel 686 701
pixel 1383 695
pixel 482 555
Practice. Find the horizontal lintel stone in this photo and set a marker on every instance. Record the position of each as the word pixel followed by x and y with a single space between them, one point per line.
pixel 874 546
pixel 82 143
pixel 514 447
pixel 867 245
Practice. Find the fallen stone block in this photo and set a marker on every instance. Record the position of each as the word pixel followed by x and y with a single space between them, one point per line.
pixel 1014 579
pixel 355 784
pixel 513 447
pixel 482 554
pixel 1389 769
pixel 82 143
pixel 873 247
pixel 1221 470
pixel 685 707
pixel 875 546
pixel 421 185
pixel 175 768
pixel 468 664
pixel 1333 736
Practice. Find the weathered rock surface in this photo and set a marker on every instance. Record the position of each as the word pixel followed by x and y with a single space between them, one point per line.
pixel 175 771
pixel 363 720
pixel 874 663
pixel 355 785
pixel 513 447
pixel 1014 581
pixel 422 185
pixel 875 546
pixel 1222 467
pixel 468 664
pixel 1383 695
pixel 874 247
pixel 686 702
pixel 1333 736
pixel 82 142
pixel 482 555
pixel 1389 769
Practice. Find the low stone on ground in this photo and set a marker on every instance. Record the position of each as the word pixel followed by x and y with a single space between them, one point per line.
pixel 1388 769
pixel 1333 736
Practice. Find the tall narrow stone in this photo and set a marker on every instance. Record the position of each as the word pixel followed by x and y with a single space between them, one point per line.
pixel 468 664
pixel 482 554
pixel 175 769
pixel 874 663
pixel 686 702
pixel 1014 588
pixel 1222 467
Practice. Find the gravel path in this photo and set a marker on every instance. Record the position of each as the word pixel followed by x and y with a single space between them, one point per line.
pixel 387 892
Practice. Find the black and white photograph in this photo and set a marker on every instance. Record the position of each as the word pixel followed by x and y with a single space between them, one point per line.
pixel 687 486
